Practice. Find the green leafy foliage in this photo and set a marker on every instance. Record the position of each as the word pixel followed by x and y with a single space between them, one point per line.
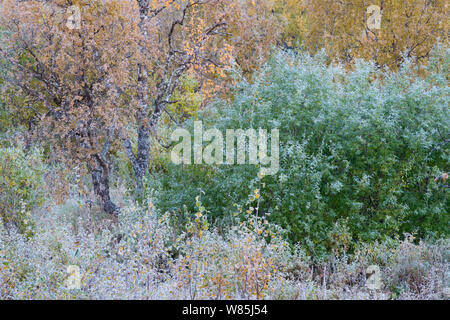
pixel 21 181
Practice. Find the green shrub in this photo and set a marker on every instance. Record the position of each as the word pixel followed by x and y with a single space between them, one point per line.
pixel 360 146
pixel 21 181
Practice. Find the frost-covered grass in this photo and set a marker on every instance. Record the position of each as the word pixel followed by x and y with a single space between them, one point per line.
pixel 140 256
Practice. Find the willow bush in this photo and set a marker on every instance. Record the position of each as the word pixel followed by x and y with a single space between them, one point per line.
pixel 359 151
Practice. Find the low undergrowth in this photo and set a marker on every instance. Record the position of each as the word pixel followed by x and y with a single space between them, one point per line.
pixel 140 255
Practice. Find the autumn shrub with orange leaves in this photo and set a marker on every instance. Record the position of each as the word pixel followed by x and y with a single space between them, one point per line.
pixel 240 264
pixel 362 153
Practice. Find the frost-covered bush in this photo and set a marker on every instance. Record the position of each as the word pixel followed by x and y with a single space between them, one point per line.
pixel 361 148
pixel 421 270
